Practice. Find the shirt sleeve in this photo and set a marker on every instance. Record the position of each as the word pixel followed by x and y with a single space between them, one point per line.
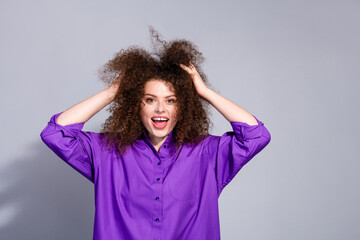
pixel 231 151
pixel 76 147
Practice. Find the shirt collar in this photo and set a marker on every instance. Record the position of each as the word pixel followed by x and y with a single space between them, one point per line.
pixel 167 149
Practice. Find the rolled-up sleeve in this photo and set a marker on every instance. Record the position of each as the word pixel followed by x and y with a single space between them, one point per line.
pixel 71 144
pixel 231 151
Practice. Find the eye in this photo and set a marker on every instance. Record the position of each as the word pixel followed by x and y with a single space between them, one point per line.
pixel 172 100
pixel 149 100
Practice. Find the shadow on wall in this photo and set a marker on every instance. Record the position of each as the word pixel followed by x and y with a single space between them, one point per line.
pixel 41 197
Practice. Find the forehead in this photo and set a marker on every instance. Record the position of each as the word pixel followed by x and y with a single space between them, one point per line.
pixel 159 87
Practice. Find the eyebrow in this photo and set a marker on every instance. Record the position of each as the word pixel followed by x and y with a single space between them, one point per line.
pixel 155 96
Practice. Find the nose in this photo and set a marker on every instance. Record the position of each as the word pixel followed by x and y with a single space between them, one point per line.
pixel 159 107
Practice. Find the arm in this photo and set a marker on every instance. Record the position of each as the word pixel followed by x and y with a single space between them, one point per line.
pixel 231 151
pixel 231 111
pixel 80 149
pixel 84 110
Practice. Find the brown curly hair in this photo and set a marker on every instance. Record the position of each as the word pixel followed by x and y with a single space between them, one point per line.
pixel 137 66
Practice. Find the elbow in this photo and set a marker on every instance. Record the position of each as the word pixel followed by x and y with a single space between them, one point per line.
pixel 43 136
pixel 259 145
pixel 46 134
pixel 263 141
pixel 267 140
pixel 266 135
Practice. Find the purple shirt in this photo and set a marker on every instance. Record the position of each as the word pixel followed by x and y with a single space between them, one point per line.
pixel 163 195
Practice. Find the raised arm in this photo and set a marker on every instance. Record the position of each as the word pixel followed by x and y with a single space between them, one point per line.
pixel 231 151
pixel 231 111
pixel 64 136
pixel 84 110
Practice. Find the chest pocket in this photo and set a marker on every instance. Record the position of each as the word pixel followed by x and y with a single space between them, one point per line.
pixel 184 179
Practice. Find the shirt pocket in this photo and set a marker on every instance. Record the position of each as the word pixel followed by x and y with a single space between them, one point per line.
pixel 184 179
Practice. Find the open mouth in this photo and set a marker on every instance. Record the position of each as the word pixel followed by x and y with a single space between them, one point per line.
pixel 155 120
pixel 160 122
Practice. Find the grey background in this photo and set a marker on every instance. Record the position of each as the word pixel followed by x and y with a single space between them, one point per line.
pixel 293 64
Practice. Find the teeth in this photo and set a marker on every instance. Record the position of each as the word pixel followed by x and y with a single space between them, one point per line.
pixel 160 119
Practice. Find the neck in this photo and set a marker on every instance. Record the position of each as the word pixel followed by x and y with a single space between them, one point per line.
pixel 157 143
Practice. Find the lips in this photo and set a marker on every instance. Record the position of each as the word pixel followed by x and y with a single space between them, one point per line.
pixel 159 122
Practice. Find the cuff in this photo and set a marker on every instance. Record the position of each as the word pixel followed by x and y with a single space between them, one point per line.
pixel 70 130
pixel 245 131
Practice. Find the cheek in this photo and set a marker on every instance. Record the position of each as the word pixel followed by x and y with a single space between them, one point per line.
pixel 174 114
pixel 143 114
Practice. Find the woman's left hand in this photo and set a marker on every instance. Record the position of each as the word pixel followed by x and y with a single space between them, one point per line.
pixel 197 80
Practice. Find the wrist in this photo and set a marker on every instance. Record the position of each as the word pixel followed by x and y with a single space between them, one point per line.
pixel 111 92
pixel 205 93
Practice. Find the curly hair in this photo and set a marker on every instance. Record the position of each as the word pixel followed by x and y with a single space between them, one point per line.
pixel 137 66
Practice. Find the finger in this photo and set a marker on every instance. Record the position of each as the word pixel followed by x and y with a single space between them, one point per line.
pixel 186 68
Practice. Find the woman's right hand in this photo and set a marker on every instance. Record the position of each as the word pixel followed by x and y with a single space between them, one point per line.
pixel 114 87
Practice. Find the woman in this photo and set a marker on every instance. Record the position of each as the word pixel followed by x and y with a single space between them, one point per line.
pixel 157 172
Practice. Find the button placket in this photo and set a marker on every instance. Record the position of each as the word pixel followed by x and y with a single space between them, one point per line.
pixel 157 199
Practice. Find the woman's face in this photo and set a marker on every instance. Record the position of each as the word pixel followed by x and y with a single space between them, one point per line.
pixel 158 110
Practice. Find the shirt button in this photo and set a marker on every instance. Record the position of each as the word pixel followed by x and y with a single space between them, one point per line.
pixel 164 146
pixel 158 163
pixel 157 198
pixel 157 219
pixel 158 179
